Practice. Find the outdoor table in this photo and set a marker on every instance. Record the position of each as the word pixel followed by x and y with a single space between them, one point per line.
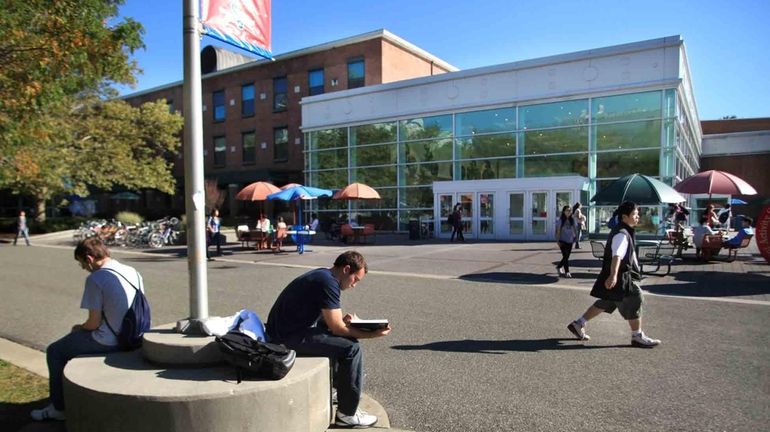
pixel 260 238
pixel 300 243
pixel 640 243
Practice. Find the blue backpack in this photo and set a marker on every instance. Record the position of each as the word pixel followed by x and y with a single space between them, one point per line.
pixel 136 321
pixel 613 221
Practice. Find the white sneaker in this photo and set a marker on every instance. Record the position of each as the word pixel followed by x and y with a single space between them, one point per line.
pixel 568 275
pixel 358 420
pixel 559 270
pixel 47 413
pixel 578 330
pixel 642 341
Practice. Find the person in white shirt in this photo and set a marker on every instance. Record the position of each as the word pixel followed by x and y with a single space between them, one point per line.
pixel 314 224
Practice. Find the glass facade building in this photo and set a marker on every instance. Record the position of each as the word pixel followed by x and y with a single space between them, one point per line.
pixel 598 137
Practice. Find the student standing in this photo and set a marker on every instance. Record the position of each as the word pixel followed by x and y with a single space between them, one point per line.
pixel 566 233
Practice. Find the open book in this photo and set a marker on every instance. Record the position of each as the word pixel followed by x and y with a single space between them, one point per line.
pixel 370 324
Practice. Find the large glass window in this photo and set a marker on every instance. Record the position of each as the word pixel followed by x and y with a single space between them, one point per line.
pixel 337 158
pixel 634 106
pixel 482 146
pixel 376 176
pixel 426 127
pixel 373 133
pixel 388 199
pixel 488 169
pixel 554 165
pixel 334 179
pixel 280 94
pixel 247 100
pixel 489 121
pixel 218 100
pixel 220 151
pixel 566 113
pixel 329 138
pixel 281 144
pixel 373 155
pixel 427 173
pixel 356 73
pixel 564 140
pixel 628 136
pixel 618 164
pixel 249 147
pixel 417 197
pixel 427 151
pixel 315 82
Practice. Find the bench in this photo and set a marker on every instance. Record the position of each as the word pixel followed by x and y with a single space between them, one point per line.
pixel 732 251
pixel 597 249
pixel 712 244
pixel 658 255
pixel 123 391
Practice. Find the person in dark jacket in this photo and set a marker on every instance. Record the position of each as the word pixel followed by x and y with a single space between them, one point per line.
pixel 618 284
pixel 457 223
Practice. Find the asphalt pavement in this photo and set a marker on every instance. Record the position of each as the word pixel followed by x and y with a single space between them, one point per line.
pixel 479 339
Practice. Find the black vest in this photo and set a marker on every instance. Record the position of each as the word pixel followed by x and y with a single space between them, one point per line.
pixel 628 262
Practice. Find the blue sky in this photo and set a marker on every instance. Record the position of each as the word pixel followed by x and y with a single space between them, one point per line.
pixel 726 41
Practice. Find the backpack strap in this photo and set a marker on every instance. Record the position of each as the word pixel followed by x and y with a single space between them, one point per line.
pixel 139 278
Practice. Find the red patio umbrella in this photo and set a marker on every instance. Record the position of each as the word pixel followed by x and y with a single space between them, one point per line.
pixel 290 185
pixel 715 182
pixel 355 191
pixel 257 191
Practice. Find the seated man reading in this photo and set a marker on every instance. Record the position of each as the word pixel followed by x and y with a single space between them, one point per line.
pixel 307 317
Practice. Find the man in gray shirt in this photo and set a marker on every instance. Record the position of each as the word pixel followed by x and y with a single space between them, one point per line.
pixel 107 296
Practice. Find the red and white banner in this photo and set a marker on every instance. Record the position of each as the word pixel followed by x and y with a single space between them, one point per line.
pixel 242 23
pixel 762 232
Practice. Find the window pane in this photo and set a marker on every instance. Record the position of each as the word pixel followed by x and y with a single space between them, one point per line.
pixel 389 200
pixel 219 105
pixel 373 155
pixel 498 120
pixel 330 159
pixel 625 136
pixel 249 147
pixel 420 197
pixel 220 150
pixel 488 169
pixel 567 113
pixel 373 133
pixel 329 138
pixel 315 82
pixel 280 94
pixel 618 164
pixel 571 164
pixel 486 146
pixel 632 106
pixel 427 151
pixel 356 74
pixel 281 144
pixel 426 127
pixel 247 100
pixel 426 174
pixel 379 176
pixel 555 141
pixel 335 179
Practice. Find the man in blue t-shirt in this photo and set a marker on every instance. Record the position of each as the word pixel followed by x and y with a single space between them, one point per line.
pixel 307 317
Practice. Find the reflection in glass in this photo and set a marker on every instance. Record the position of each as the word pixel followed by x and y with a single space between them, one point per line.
pixel 562 199
pixel 373 133
pixel 538 227
pixel 483 146
pixel 426 127
pixel 373 155
pixel 618 164
pixel 329 138
pixel 549 165
pixel 565 140
pixel 376 176
pixel 565 113
pixel 424 174
pixel 427 151
pixel 626 136
pixel 632 106
pixel 337 158
pixel 516 227
pixel 419 197
pixel 489 121
pixel 335 179
pixel 486 213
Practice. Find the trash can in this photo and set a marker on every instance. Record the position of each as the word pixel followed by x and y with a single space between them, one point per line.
pixel 414 229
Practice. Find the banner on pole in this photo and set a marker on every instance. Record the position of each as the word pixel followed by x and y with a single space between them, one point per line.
pixel 242 23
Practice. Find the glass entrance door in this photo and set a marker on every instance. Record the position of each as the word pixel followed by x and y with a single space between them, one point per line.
pixel 446 204
pixel 538 222
pixel 516 215
pixel 486 215
pixel 466 200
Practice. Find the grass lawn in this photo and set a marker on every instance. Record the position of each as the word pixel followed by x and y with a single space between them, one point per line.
pixel 21 391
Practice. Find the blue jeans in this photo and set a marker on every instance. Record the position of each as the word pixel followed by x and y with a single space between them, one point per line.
pixel 346 358
pixel 24 233
pixel 77 343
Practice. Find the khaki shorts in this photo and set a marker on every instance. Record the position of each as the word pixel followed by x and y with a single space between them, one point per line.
pixel 630 308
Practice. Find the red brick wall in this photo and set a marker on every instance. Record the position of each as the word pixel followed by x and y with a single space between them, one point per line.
pixel 711 127
pixel 399 64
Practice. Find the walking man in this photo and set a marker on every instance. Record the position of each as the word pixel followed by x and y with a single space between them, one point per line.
pixel 618 284
pixel 307 317
pixel 21 228
pixel 108 293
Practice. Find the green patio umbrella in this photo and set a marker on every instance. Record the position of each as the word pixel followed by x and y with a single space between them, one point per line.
pixel 638 188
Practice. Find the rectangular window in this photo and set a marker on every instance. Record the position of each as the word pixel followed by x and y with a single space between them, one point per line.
pixel 218 100
pixel 633 106
pixel 315 81
pixel 247 100
pixel 488 146
pixel 280 94
pixel 330 138
pixel 220 151
pixel 249 147
pixel 375 133
pixel 356 73
pixel 426 127
pixel 281 144
pixel 489 121
pixel 333 178
pixel 565 113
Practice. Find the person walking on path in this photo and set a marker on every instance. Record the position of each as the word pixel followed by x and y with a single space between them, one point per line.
pixel 457 223
pixel 213 225
pixel 580 219
pixel 566 233
pixel 307 317
pixel 618 284
pixel 108 294
pixel 21 228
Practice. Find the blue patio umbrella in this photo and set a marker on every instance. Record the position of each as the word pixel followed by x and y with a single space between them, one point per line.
pixel 300 193
pixel 737 201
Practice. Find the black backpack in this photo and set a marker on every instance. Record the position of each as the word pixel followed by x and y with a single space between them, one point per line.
pixel 255 357
pixel 724 216
pixel 136 321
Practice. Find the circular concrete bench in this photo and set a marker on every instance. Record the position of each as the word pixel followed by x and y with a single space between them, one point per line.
pixel 123 392
pixel 164 346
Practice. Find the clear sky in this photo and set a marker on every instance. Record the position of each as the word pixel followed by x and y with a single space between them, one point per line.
pixel 727 42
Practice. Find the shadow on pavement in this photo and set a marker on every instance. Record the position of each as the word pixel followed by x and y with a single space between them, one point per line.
pixel 15 417
pixel 714 284
pixel 510 277
pixel 585 263
pixel 500 346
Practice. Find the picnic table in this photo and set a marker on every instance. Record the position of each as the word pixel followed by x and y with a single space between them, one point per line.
pixel 300 238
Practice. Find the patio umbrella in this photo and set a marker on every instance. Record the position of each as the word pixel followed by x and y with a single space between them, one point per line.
pixel 356 191
pixel 296 194
pixel 257 191
pixel 715 182
pixel 737 201
pixel 290 185
pixel 638 188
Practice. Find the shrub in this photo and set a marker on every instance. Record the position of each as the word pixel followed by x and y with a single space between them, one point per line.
pixel 129 218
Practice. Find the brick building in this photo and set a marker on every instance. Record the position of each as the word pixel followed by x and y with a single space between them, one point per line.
pixel 252 115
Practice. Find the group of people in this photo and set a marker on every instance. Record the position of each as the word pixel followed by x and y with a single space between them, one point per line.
pixel 215 237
